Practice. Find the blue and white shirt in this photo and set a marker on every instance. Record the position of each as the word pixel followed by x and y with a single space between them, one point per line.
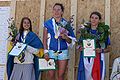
pixel 54 43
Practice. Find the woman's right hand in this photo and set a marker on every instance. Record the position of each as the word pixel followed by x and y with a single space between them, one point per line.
pixel 46 56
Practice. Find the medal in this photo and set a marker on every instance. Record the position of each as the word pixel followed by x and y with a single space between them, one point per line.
pixel 56 31
pixel 56 37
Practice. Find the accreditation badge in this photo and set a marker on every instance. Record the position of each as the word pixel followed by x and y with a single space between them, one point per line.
pixel 56 37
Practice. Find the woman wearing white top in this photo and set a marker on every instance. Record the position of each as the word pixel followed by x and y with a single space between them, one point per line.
pixel 25 67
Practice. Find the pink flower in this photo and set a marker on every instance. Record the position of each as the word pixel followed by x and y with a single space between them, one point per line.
pixel 63 31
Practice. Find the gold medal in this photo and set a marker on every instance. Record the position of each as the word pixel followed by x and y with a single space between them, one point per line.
pixel 56 37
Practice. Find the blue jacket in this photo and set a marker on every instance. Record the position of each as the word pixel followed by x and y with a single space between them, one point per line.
pixel 53 41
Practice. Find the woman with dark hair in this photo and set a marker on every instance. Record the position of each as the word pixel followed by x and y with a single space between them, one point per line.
pixel 25 66
pixel 56 42
pixel 21 25
pixel 94 68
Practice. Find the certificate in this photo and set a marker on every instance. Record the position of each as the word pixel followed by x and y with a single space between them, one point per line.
pixel 47 65
pixel 89 48
pixel 17 49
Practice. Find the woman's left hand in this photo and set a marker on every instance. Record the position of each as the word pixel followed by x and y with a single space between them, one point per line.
pixel 98 50
pixel 63 36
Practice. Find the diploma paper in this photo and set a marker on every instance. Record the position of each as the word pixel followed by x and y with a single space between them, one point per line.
pixel 46 65
pixel 89 48
pixel 17 49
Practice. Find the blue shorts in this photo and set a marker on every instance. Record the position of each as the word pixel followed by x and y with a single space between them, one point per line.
pixel 59 56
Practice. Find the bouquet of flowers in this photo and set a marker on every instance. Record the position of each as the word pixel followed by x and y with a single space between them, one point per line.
pixel 13 29
pixel 66 26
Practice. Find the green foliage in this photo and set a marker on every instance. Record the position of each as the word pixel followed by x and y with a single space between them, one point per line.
pixel 102 32
pixel 13 29
pixel 67 26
